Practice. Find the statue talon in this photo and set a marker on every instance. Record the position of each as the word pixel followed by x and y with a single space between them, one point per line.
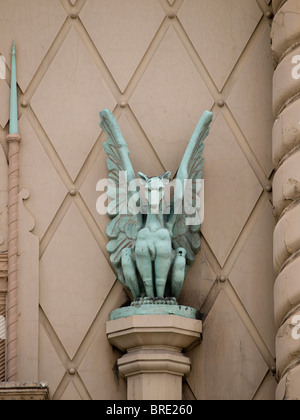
pixel 142 247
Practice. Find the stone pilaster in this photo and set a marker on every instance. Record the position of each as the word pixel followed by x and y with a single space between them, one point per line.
pixel 286 193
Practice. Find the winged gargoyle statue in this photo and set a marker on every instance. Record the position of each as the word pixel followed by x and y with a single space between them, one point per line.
pixel 152 250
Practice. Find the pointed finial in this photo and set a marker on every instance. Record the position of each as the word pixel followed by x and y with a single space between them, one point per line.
pixel 13 123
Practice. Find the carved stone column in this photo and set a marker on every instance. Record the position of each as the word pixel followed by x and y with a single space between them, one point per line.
pixel 286 187
pixel 154 364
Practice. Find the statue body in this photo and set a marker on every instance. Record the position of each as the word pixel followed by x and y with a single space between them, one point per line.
pixel 152 250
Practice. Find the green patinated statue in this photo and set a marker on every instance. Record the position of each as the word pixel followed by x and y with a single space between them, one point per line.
pixel 153 241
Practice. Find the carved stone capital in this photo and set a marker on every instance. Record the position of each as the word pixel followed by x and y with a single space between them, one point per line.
pixel 286 191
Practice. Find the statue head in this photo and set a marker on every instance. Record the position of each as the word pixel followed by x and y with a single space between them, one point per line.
pixel 155 187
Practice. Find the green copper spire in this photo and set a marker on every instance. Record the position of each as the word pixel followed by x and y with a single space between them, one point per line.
pixel 13 124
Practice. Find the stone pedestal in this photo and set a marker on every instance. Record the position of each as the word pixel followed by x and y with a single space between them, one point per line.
pixel 154 364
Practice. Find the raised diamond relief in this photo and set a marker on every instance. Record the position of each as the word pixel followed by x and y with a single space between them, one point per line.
pixel 229 27
pixel 68 100
pixel 160 96
pixel 122 31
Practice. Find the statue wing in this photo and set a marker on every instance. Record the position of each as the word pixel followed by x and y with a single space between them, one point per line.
pixel 184 220
pixel 123 229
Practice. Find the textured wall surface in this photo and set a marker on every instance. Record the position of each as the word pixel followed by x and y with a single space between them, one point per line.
pixel 157 64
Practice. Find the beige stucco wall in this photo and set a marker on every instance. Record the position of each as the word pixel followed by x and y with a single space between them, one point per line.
pixel 157 64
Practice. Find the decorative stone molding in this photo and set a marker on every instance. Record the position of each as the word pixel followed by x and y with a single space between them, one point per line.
pixel 286 134
pixel 154 364
pixel 28 288
pixel 24 391
pixel 13 140
pixel 3 292
pixel 288 388
pixel 286 193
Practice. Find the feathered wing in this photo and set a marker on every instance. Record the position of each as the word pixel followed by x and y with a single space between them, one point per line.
pixel 123 229
pixel 184 221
